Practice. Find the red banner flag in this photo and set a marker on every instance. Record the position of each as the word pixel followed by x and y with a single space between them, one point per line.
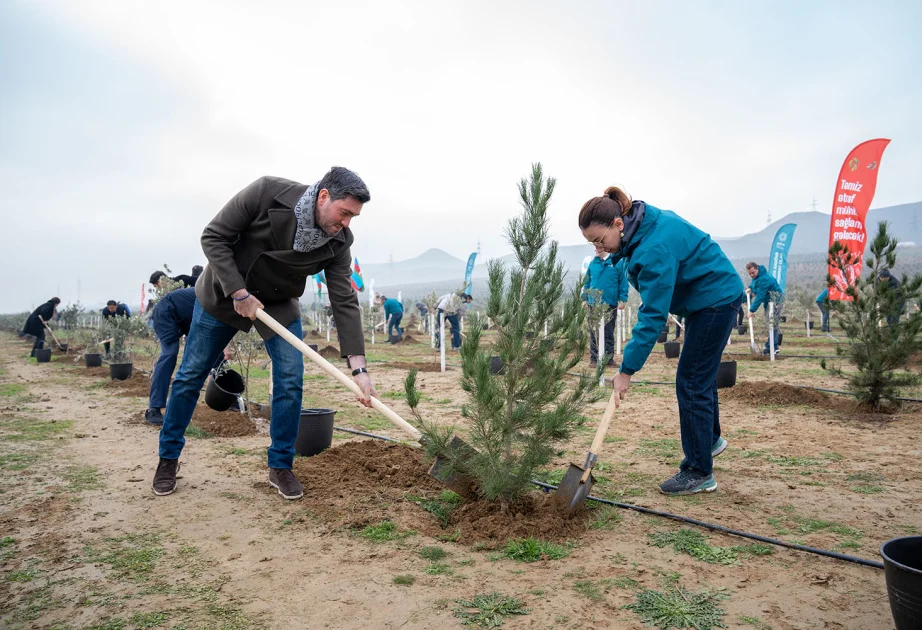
pixel 854 192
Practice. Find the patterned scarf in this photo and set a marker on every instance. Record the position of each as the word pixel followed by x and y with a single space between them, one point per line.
pixel 307 236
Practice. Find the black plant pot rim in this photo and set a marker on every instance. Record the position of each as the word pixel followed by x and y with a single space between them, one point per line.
pixel 900 565
pixel 214 380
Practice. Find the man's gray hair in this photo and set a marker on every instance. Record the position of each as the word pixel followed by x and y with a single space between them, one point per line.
pixel 341 182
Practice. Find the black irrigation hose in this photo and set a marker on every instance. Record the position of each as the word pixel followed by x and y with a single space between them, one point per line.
pixel 717 528
pixel 371 435
pixel 726 530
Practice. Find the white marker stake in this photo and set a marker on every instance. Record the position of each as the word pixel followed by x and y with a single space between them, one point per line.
pixel 771 330
pixel 618 330
pixel 329 326
pixel 462 325
pixel 431 317
pixel 545 328
pixel 600 348
pixel 808 323
pixel 442 337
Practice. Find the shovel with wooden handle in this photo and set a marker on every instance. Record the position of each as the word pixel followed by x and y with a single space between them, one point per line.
pixel 577 482
pixel 48 328
pixel 440 470
pixel 752 337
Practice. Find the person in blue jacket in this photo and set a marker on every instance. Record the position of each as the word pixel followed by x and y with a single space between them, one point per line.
pixel 764 289
pixel 677 269
pixel 393 313
pixel 821 304
pixel 606 283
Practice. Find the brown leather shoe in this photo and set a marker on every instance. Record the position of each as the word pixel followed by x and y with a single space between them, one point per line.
pixel 283 480
pixel 165 477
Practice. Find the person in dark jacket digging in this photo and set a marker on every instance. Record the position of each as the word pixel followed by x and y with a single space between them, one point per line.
pixel 261 249
pixel 34 326
pixel 764 289
pixel 678 269
pixel 114 309
pixel 189 281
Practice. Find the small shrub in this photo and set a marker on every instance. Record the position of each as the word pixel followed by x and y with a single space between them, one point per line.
pixel 384 531
pixel 488 610
pixel 404 580
pixel 432 553
pixel 678 608
pixel 531 550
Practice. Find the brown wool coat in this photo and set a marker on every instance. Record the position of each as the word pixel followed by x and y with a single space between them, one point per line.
pixel 249 245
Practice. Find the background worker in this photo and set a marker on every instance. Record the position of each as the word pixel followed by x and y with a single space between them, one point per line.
pixel 765 289
pixel 114 309
pixel 824 308
pixel 34 326
pixel 452 305
pixel 393 313
pixel 605 288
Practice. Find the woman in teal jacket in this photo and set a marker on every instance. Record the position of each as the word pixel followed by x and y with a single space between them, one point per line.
pixel 605 284
pixel 764 289
pixel 677 269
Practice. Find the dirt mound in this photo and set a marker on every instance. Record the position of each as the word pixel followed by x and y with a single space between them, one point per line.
pixel 407 339
pixel 314 335
pixel 362 483
pixel 422 367
pixel 329 352
pixel 222 423
pixel 769 393
pixel 137 385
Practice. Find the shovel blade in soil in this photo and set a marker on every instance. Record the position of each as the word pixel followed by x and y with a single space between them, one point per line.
pixel 571 493
pixel 443 470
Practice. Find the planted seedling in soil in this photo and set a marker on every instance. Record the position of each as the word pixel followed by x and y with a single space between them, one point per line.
pixel 518 418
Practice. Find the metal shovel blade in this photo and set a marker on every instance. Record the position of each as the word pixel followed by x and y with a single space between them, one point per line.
pixel 443 470
pixel 572 492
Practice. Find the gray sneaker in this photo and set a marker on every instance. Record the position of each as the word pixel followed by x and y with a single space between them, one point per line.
pixel 283 480
pixel 720 445
pixel 165 477
pixel 688 482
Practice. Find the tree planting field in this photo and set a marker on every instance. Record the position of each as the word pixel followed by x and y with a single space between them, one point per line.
pixel 377 543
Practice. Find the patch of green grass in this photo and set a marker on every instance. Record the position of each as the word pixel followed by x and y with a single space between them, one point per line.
pixel 666 448
pixel 24 575
pixel 443 401
pixel 867 489
pixel 80 478
pixel 439 568
pixel 404 580
pixel 197 432
pixel 12 389
pixel 849 544
pixel 32 430
pixel 488 610
pixel 738 433
pixel 695 544
pixel 440 507
pixel 678 608
pixel 149 620
pixel 614 439
pixel 553 476
pixel 624 582
pixel 370 423
pixel 16 461
pixel 605 517
pixel 755 549
pixel 832 456
pixel 433 553
pixel 133 556
pixel 866 476
pixel 6 541
pixel 755 622
pixel 647 389
pixel 395 395
pixel 532 549
pixel 227 449
pixel 385 531
pixel 589 590
pixel 315 377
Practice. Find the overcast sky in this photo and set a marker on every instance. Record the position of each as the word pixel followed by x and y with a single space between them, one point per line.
pixel 126 125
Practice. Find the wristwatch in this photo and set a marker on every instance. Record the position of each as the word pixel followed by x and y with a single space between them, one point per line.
pixel 358 371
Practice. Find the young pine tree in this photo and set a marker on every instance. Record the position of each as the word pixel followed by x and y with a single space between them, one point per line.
pixel 518 417
pixel 879 352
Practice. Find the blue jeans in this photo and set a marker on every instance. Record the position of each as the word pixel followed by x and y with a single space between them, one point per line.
pixel 394 322
pixel 204 347
pixel 825 313
pixel 455 329
pixel 164 325
pixel 706 334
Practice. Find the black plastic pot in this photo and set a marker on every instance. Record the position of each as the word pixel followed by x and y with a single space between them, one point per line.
pixel 496 366
pixel 223 390
pixel 63 347
pixel 486 326
pixel 810 325
pixel 92 359
pixel 120 371
pixel 672 349
pixel 315 431
pixel 663 337
pixel 741 329
pixel 395 339
pixel 780 338
pixel 726 374
pixel 903 574
pixel 784 318
pixel 43 355
pixel 313 346
pixel 529 334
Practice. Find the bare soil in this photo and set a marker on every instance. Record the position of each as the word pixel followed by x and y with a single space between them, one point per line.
pixel 223 423
pixel 422 367
pixel 329 352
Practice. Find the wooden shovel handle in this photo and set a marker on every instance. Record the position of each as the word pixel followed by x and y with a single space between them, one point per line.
pixel 602 430
pixel 330 369
pixel 50 332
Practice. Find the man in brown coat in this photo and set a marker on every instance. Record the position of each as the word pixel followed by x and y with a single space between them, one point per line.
pixel 261 248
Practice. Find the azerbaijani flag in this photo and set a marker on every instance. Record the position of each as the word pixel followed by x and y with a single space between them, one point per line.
pixel 357 283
